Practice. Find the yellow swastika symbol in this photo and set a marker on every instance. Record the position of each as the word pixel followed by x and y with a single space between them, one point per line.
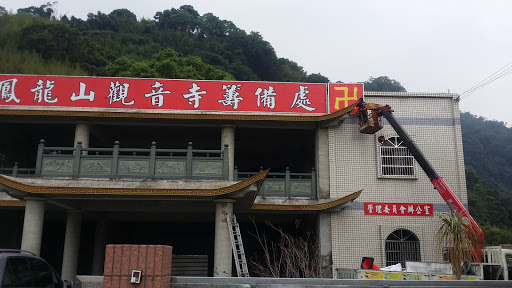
pixel 346 98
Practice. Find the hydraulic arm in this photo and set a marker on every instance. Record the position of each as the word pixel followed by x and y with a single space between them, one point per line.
pixel 370 122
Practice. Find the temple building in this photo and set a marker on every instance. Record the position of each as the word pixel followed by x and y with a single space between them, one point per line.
pixel 86 162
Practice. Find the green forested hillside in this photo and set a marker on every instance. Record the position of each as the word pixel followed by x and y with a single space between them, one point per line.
pixel 187 44
pixel 488 160
pixel 488 149
pixel 182 44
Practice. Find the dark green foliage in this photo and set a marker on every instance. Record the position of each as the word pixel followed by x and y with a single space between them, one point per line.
pixel 488 180
pixel 317 78
pixel 56 41
pixel 496 236
pixel 487 201
pixel 166 64
pixel 488 149
pixel 43 11
pixel 15 59
pixel 384 84
pixel 96 43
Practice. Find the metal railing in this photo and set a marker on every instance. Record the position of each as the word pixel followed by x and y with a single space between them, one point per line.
pixel 117 162
pixel 287 184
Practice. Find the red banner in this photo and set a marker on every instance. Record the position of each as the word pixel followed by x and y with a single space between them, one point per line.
pixel 398 209
pixel 60 91
pixel 343 95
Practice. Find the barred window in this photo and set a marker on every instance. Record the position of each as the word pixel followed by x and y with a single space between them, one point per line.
pixel 396 160
pixel 402 245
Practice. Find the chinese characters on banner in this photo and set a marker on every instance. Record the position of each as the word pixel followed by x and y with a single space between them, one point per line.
pixel 398 209
pixel 93 92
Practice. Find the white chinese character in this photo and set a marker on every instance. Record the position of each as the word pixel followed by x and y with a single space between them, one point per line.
pixel 118 92
pixel 402 209
pixel 301 100
pixel 370 208
pixel 82 95
pixel 194 95
pixel 378 209
pixel 231 96
pixel 47 95
pixel 267 99
pixel 410 209
pixel 426 207
pixel 386 209
pixel 418 210
pixel 157 99
pixel 7 90
pixel 394 209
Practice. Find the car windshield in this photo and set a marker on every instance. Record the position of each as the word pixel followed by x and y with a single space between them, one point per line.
pixel 22 272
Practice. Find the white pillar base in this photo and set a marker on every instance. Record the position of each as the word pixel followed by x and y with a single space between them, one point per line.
pixel 33 225
pixel 223 254
pixel 71 245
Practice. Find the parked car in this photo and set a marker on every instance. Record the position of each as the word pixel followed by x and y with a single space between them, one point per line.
pixel 24 269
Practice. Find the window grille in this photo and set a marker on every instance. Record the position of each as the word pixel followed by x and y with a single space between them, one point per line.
pixel 402 245
pixel 396 160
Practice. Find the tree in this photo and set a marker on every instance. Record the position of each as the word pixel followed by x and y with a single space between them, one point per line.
pixel 183 19
pixel 101 21
pixel 55 40
pixel 166 64
pixel 317 78
pixel 124 20
pixel 260 56
pixel 289 71
pixel 460 240
pixel 44 11
pixel 383 84
pixel 488 149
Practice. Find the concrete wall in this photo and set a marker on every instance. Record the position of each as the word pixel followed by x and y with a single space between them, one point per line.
pixel 258 282
pixel 432 120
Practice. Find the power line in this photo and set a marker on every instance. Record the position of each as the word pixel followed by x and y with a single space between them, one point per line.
pixel 502 72
pixel 487 78
pixel 505 73
pixel 487 83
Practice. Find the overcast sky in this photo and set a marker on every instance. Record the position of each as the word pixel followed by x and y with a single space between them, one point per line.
pixel 428 46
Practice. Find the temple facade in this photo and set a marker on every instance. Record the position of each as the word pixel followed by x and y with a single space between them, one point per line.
pixel 86 162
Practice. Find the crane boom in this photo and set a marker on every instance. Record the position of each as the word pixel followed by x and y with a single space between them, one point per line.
pixel 370 123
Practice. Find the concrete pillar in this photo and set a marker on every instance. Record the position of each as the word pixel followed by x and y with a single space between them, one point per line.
pixel 325 242
pixel 228 137
pixel 71 245
pixel 33 225
pixel 100 241
pixel 223 254
pixel 82 130
pixel 322 162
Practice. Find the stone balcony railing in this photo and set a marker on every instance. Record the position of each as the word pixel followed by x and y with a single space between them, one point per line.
pixel 287 184
pixel 153 163
pixel 117 162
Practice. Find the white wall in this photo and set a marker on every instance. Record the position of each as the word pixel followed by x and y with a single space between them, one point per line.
pixel 432 120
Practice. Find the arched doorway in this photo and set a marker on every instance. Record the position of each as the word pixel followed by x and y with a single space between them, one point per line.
pixel 402 245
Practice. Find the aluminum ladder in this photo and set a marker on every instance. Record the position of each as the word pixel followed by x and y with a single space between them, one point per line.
pixel 238 247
